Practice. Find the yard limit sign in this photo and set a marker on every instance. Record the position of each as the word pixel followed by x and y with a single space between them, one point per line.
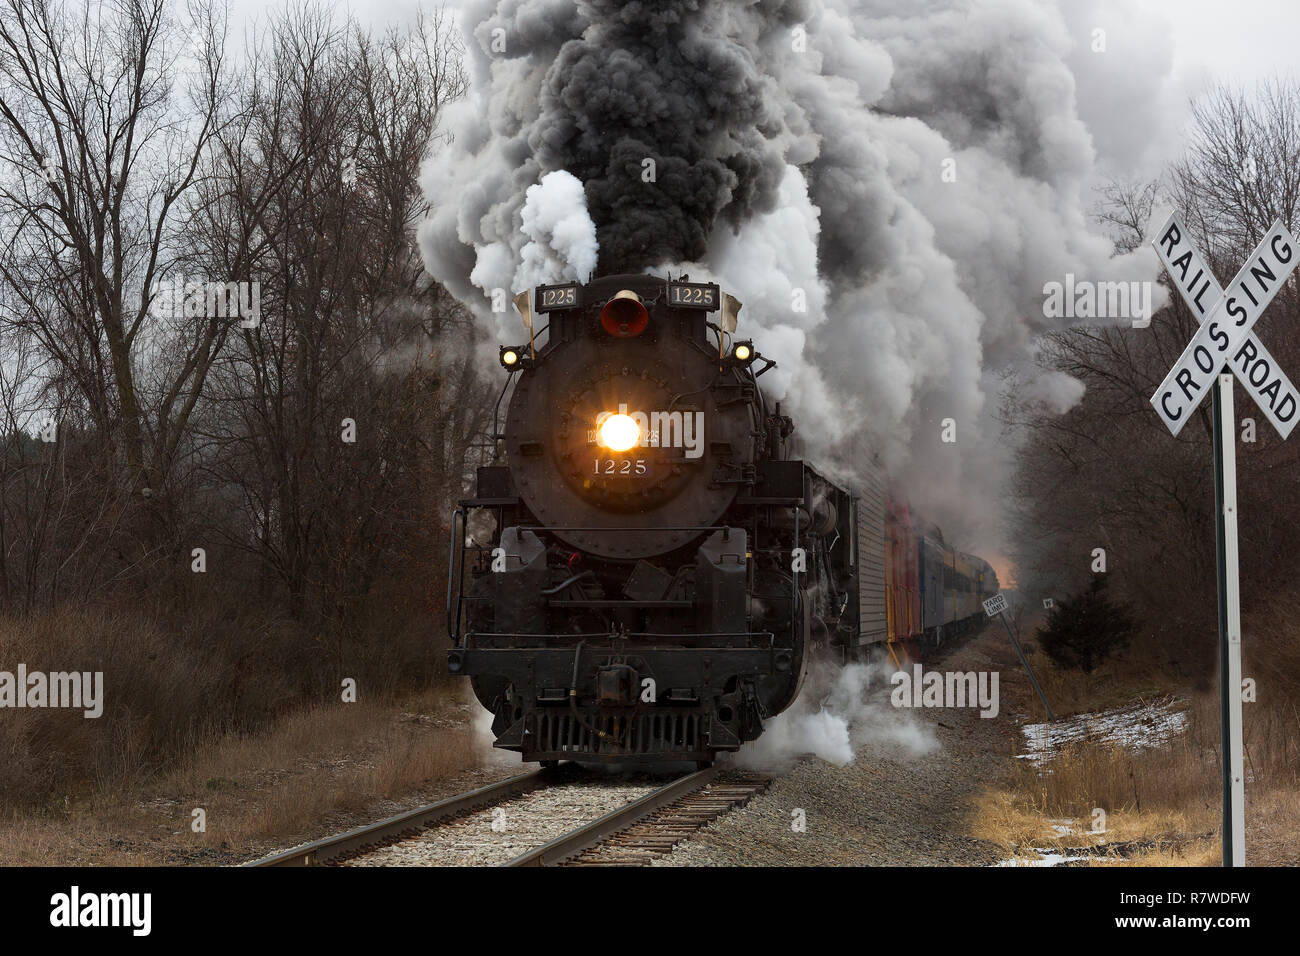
pixel 1224 339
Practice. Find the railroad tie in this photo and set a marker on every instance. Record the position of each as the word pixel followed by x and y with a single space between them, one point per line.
pixel 662 830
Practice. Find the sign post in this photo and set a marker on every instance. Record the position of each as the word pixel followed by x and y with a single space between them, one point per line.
pixel 1224 340
pixel 1225 493
pixel 997 606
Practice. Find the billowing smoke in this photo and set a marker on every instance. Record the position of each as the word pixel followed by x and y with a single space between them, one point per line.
pixel 669 95
pixel 887 187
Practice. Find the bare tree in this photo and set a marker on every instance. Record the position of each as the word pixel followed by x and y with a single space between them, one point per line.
pixel 108 116
pixel 354 397
pixel 1106 474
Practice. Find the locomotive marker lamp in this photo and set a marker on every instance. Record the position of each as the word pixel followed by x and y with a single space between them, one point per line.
pixel 1224 346
pixel 742 355
pixel 512 358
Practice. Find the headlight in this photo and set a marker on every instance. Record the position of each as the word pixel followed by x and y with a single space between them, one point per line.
pixel 511 357
pixel 742 352
pixel 619 432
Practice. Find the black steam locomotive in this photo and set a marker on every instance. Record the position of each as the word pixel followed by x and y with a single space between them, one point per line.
pixel 647 572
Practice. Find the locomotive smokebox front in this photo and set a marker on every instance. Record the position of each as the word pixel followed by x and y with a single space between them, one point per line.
pixel 625 442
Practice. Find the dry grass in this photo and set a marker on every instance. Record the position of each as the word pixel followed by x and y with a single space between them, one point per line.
pixel 313 772
pixel 1272 825
pixel 1158 837
pixel 330 759
pixel 27 841
pixel 160 697
pixel 170 687
pixel 1116 682
pixel 1091 774
pixel 1152 837
pixel 1162 805
pixel 225 709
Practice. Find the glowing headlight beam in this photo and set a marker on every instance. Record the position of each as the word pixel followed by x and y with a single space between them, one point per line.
pixel 619 432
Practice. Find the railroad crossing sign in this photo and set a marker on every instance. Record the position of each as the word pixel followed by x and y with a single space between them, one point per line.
pixel 1226 320
pixel 1257 369
pixel 1225 339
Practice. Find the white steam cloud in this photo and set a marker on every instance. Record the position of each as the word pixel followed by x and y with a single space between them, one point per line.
pixel 839 710
pixel 483 739
pixel 561 239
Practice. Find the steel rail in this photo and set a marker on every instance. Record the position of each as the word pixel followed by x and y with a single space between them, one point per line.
pixel 344 844
pixel 590 834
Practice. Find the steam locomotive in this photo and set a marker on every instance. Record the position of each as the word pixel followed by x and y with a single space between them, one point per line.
pixel 646 571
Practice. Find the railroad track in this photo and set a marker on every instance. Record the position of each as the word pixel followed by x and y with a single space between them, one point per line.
pixel 335 848
pixel 656 830
pixel 635 822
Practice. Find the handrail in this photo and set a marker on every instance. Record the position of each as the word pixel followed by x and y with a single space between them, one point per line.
pixel 453 553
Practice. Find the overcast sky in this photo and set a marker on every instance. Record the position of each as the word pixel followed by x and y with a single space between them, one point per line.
pixel 1211 41
pixel 1184 45
pixel 1241 41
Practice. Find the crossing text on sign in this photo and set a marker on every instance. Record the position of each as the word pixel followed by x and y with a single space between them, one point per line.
pixel 1257 370
pixel 1220 337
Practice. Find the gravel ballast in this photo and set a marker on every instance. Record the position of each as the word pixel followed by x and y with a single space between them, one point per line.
pixel 521 825
pixel 890 806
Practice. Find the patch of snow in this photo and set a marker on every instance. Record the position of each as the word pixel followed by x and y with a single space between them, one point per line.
pixel 1138 726
pixel 1046 858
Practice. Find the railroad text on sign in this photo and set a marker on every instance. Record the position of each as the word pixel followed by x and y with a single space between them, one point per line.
pixel 1223 332
pixel 1257 370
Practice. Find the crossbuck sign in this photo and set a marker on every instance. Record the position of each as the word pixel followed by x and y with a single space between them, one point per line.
pixel 1225 339
pixel 1226 319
